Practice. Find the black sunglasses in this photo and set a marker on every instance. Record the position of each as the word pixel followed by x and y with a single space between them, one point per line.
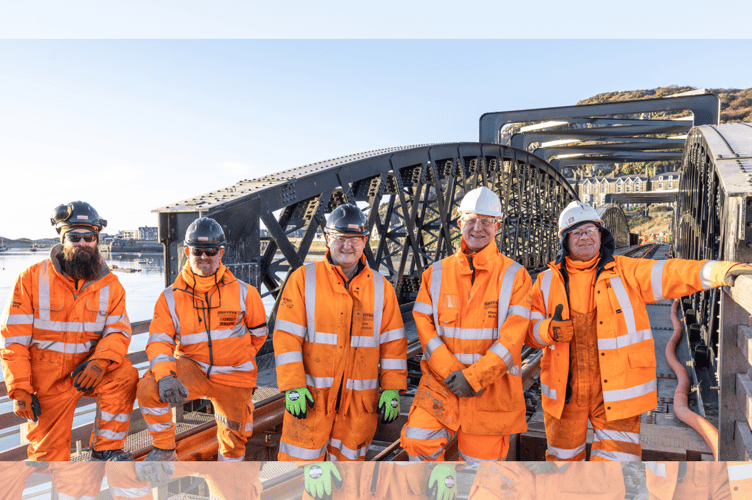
pixel 210 252
pixel 75 238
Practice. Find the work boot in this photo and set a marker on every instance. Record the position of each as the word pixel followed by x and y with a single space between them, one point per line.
pixel 160 455
pixel 111 456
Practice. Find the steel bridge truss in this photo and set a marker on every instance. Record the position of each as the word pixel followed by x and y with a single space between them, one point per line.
pixel 410 195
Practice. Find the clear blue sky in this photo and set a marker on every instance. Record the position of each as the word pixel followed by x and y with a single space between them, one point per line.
pixel 131 125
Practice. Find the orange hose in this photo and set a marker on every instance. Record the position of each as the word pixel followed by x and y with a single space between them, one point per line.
pixel 708 432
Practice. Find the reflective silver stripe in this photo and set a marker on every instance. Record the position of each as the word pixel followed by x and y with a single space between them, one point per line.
pixel 566 453
pixel 425 434
pixel 364 341
pixel 505 292
pixel 108 330
pixel 468 333
pixel 128 492
pixel 501 351
pixel 68 326
pixel 169 295
pixel 362 385
pixel 611 435
pixel 158 427
pixel 249 427
pixel 423 308
pixel 227 422
pixel 396 334
pixel 470 459
pixel 615 456
pixel 519 311
pixel 290 327
pixel 536 315
pixel 656 280
pixel 108 434
pixel 104 307
pixel 516 370
pixel 114 417
pixel 63 496
pixel 660 469
pixel 467 359
pixel 705 278
pixel 426 458
pixel 319 382
pixel 347 452
pixel 111 320
pixel 393 364
pixel 159 358
pixel 739 472
pixel 310 301
pixel 288 357
pixel 547 391
pixel 259 332
pixel 246 367
pixel 378 304
pixel 436 270
pixel 548 275
pixel 624 304
pixel 625 340
pixel 301 453
pixel 536 331
pixel 222 458
pixel 160 337
pixel 242 295
pixel 159 410
pixel 19 319
pixel 22 340
pixel 321 337
pixel 44 291
pixel 632 392
pixel 219 334
pixel 63 347
pixel 432 345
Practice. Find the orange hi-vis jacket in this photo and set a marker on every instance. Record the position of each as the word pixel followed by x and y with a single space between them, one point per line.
pixel 333 338
pixel 48 323
pixel 740 480
pixel 217 321
pixel 472 314
pixel 710 480
pixel 625 339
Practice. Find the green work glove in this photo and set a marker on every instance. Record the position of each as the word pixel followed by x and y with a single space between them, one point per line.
pixel 442 483
pixel 319 478
pixel 295 402
pixel 389 405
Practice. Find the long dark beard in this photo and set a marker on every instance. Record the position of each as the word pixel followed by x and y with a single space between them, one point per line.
pixel 81 262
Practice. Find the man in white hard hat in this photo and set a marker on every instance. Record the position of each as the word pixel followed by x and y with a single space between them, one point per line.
pixel 472 314
pixel 589 309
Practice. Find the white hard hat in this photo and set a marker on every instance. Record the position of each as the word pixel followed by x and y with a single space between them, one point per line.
pixel 575 213
pixel 481 201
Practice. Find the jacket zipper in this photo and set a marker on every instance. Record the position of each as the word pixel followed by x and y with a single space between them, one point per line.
pixel 208 334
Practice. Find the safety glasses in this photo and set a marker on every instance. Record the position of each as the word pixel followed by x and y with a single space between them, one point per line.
pixel 342 240
pixel 75 238
pixel 484 222
pixel 210 252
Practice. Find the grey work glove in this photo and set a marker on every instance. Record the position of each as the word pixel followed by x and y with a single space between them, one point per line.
pixel 154 472
pixel 172 390
pixel 730 278
pixel 459 385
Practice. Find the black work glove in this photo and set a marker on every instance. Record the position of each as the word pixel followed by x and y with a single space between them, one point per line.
pixel 730 278
pixel 172 390
pixel 26 405
pixel 561 330
pixel 459 385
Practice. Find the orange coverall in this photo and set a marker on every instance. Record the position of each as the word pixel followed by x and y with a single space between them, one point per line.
pixel 332 335
pixel 380 481
pixel 611 325
pixel 49 327
pixel 217 324
pixel 503 481
pixel 700 480
pixel 472 313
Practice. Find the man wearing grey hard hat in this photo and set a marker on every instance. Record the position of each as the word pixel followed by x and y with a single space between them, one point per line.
pixel 589 310
pixel 472 314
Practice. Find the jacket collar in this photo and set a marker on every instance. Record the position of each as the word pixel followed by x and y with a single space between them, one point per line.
pixel 337 270
pixel 481 259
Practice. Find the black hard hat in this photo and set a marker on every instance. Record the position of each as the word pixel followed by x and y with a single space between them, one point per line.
pixel 77 214
pixel 205 233
pixel 347 219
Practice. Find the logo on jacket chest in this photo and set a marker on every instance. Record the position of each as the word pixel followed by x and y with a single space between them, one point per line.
pixel 491 308
pixel 227 318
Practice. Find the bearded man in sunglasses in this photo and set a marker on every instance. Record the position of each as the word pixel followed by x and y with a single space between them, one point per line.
pixel 65 335
pixel 218 324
